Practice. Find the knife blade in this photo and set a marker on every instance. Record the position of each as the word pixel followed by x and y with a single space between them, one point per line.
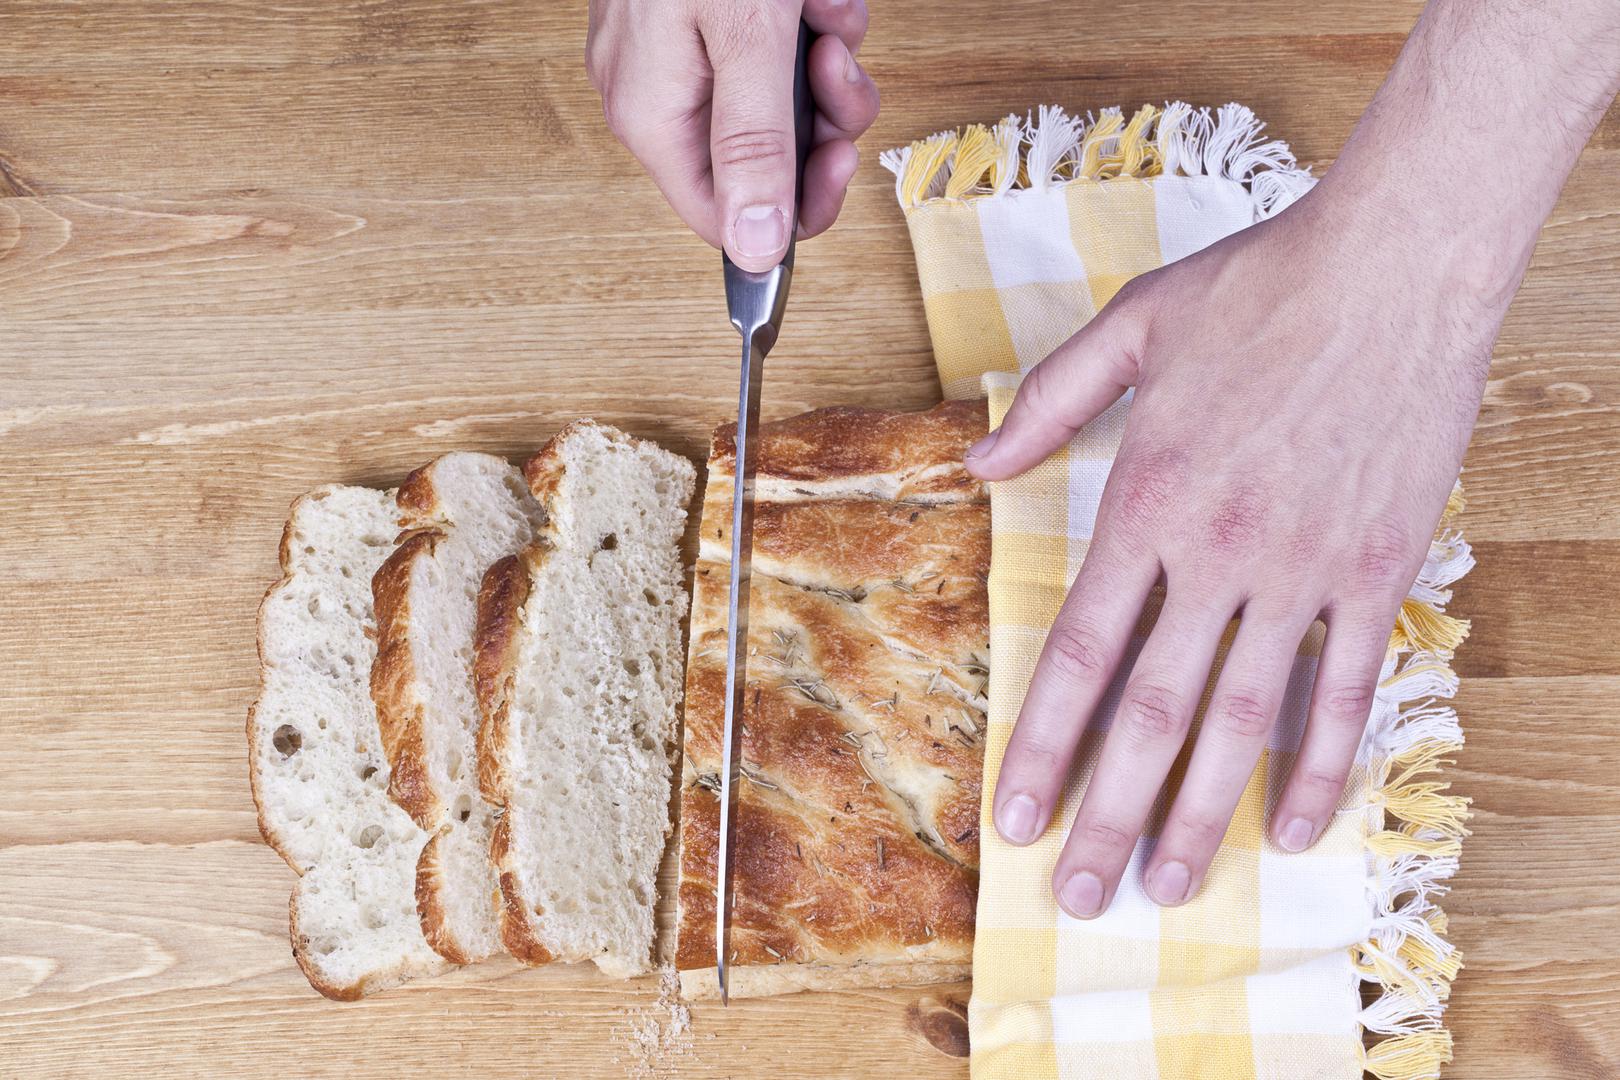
pixel 756 302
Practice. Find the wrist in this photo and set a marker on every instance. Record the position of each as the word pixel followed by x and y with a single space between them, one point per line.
pixel 1461 154
pixel 1435 239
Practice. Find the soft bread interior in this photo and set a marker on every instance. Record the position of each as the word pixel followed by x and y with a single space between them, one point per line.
pixel 594 694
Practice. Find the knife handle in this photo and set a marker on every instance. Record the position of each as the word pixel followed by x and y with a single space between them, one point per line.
pixel 804 117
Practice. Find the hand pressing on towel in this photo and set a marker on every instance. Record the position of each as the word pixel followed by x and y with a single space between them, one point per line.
pixel 1304 392
pixel 701 92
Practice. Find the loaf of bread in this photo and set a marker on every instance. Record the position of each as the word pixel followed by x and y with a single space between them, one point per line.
pixel 462 512
pixel 578 660
pixel 857 822
pixel 319 776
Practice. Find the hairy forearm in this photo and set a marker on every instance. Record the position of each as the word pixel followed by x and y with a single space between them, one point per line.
pixel 1465 147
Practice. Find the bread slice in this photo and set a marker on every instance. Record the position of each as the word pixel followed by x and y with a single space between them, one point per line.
pixel 857 822
pixel 579 680
pixel 463 511
pixel 315 754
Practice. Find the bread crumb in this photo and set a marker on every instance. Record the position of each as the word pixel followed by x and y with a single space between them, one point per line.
pixel 669 998
pixel 658 1036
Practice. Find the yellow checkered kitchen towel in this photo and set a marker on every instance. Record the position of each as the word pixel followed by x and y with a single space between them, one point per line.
pixel 1023 230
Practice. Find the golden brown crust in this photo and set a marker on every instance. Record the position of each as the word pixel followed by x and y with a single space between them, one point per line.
pixel 517 931
pixel 435 926
pixel 921 452
pixel 857 822
pixel 543 472
pixel 400 714
pixel 823 842
pixel 416 497
pixel 920 570
pixel 501 596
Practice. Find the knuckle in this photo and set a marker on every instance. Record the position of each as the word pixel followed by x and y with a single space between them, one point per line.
pixel 1237 524
pixel 1146 490
pixel 1243 714
pixel 1107 834
pixel 1078 653
pixel 1151 713
pixel 752 147
pixel 1039 389
pixel 1202 832
pixel 1321 784
pixel 1382 558
pixel 732 31
pixel 1129 312
pixel 1347 703
pixel 1304 545
pixel 1032 750
pixel 1134 296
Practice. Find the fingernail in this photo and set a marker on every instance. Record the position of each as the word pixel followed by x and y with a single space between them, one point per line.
pixel 1296 835
pixel 983 446
pixel 1018 820
pixel 1082 895
pixel 759 230
pixel 1168 883
pixel 852 70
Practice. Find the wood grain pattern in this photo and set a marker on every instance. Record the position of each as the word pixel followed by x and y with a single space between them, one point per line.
pixel 245 250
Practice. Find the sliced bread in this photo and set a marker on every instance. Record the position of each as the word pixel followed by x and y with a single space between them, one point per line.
pixel 315 753
pixel 463 511
pixel 579 680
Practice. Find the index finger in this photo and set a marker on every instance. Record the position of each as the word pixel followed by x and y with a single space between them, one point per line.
pixel 844 19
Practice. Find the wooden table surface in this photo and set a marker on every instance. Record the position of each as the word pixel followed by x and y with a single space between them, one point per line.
pixel 246 249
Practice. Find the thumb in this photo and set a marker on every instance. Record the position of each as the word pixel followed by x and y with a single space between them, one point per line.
pixel 751 143
pixel 1059 396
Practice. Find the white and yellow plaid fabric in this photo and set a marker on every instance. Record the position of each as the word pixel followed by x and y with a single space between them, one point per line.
pixel 1022 232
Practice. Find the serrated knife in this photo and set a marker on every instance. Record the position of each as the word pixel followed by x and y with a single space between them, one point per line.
pixel 756 302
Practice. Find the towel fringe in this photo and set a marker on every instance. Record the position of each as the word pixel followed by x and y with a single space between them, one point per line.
pixel 1425 675
pixel 1417 825
pixel 1414 1056
pixel 1050 146
pixel 1421 625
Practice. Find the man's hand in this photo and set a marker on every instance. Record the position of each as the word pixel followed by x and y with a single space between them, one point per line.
pixel 1302 404
pixel 1304 394
pixel 701 91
